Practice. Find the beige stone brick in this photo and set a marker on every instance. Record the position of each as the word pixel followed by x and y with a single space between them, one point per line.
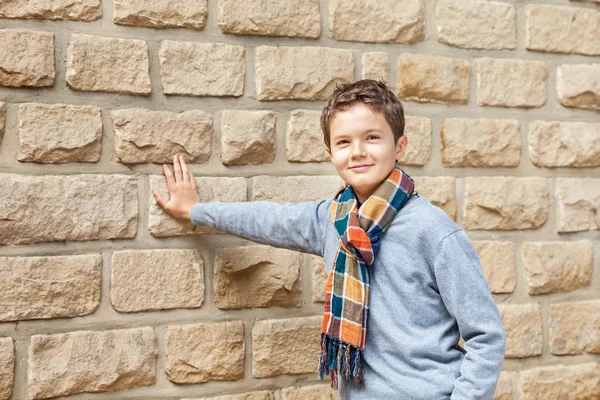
pixel 75 10
pixel 578 85
pixel 433 79
pixel 7 367
pixel 523 326
pixel 2 119
pixel 247 137
pixel 440 191
pixel 505 203
pixel 504 390
pixel 304 138
pixel 480 142
pixel 575 328
pixel 49 208
pixel 570 382
pixel 26 58
pixel 145 136
pixel 319 280
pixel 161 224
pixel 312 392
pixel 260 395
pixel 86 361
pixel 498 264
pixel 474 24
pixel 257 276
pixel 577 204
pixel 270 18
pixel 564 144
pixel 105 64
pixel 418 133
pixel 161 14
pixel 276 342
pixel 511 83
pixel 301 72
pixel 201 69
pixel 376 65
pixel 295 189
pixel 49 287
pixel 385 21
pixel 156 280
pixel 205 352
pixel 589 1
pixel 58 133
pixel 559 29
pixel 552 267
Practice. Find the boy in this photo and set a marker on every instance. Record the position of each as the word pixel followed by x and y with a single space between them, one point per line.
pixel 404 281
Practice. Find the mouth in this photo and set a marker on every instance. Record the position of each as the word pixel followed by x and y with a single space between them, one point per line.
pixel 361 167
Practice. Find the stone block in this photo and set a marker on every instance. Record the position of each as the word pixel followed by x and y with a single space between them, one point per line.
pixel 440 191
pixel 7 368
pixel 161 14
pixel 523 326
pixel 247 137
pixel 2 119
pixel 418 132
pixel 301 72
pixel 304 140
pixel 564 144
pixel 312 392
pixel 577 204
pixel 504 390
pixel 74 10
pixel 575 328
pixel 295 189
pixel 498 264
pixel 54 208
pixel 145 136
pixel 260 395
pixel 376 65
pixel 26 58
pixel 577 381
pixel 59 133
pixel 578 85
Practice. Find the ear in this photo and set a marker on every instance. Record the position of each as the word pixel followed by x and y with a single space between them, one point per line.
pixel 401 147
pixel 328 151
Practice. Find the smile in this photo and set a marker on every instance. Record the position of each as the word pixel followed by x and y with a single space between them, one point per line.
pixel 362 167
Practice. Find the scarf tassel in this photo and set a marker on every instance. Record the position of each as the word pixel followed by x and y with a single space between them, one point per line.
pixel 339 358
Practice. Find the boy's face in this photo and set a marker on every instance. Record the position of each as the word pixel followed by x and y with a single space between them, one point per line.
pixel 363 149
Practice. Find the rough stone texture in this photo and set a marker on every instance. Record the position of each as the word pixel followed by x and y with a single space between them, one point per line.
pixel 103 64
pixel 498 264
pixel 2 119
pixel 474 24
pixel 384 21
pixel 276 342
pixel 257 276
pixel 301 72
pixel 205 352
pixel 26 58
pixel 161 14
pixel 156 280
pixel 480 142
pixel 260 395
pixel 201 69
pixel 247 137
pixel 433 79
pixel 578 85
pixel 304 138
pixel 162 224
pixel 295 189
pixel 559 29
pixel 319 280
pixel 313 392
pixel 270 18
pixel 505 203
pixel 440 191
pixel 577 204
pixel 88 361
pixel 57 133
pixel 7 367
pixel 75 10
pixel 418 132
pixel 504 389
pixel 49 287
pixel 511 83
pixel 569 382
pixel 564 144
pixel 143 136
pixel 552 267
pixel 50 208
pixel 376 65
pixel 575 328
pixel 523 326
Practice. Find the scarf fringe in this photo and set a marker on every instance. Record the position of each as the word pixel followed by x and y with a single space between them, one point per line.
pixel 339 358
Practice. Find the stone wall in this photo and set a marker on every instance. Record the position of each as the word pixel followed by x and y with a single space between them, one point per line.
pixel 101 291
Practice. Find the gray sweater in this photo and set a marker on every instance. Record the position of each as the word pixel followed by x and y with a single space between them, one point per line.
pixel 427 289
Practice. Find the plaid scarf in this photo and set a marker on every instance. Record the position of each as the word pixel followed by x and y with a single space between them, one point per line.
pixel 347 292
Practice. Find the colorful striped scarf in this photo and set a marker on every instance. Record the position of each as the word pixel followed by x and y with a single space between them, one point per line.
pixel 347 292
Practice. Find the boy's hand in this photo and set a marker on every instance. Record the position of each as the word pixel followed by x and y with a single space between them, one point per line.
pixel 182 189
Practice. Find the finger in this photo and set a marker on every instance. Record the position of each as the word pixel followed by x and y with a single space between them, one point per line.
pixel 177 168
pixel 185 173
pixel 159 200
pixel 169 176
pixel 192 181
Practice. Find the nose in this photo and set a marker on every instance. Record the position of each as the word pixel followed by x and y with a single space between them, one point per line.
pixel 358 150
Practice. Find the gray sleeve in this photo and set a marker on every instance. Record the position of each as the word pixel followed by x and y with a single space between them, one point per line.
pixel 467 297
pixel 299 227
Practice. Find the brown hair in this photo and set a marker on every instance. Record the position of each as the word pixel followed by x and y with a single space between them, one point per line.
pixel 375 94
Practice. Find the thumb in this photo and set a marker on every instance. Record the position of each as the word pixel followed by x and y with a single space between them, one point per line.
pixel 160 201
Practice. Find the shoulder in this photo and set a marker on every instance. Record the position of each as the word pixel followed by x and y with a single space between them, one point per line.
pixel 424 219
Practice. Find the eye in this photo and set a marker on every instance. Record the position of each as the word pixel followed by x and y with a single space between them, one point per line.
pixel 373 137
pixel 341 142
